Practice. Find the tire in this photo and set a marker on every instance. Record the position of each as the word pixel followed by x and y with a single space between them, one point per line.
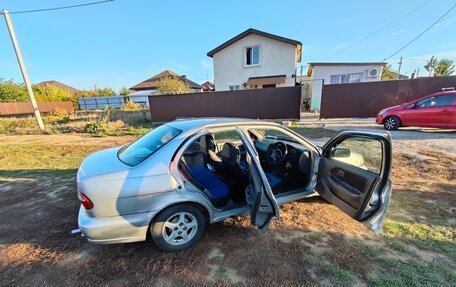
pixel 177 227
pixel 392 123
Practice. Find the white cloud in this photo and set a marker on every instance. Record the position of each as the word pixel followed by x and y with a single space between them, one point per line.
pixel 344 45
pixel 447 21
pixel 205 64
pixel 450 54
pixel 178 65
pixel 398 32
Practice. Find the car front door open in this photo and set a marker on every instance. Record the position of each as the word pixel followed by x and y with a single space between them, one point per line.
pixel 354 173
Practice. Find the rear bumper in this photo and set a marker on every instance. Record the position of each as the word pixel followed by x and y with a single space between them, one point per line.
pixel 114 229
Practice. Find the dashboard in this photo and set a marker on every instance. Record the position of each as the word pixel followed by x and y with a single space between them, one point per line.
pixel 296 153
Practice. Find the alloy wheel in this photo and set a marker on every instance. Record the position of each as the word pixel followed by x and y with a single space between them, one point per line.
pixel 390 123
pixel 179 228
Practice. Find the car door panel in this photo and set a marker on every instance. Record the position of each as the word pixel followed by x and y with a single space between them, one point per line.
pixel 345 182
pixel 361 191
pixel 260 199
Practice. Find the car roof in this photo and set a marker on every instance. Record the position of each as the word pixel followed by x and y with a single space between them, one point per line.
pixel 444 93
pixel 188 124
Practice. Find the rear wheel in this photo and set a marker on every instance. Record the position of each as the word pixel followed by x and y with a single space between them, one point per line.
pixel 392 123
pixel 178 227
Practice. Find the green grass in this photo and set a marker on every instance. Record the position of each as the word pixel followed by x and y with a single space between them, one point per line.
pixel 424 236
pixel 43 158
pixel 336 274
pixel 415 273
pixel 414 202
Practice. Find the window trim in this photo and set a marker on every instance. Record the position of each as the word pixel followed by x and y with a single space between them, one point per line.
pixel 345 75
pixel 234 87
pixel 245 56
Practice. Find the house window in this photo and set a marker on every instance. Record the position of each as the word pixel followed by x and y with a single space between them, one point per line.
pixel 235 87
pixel 252 55
pixel 346 78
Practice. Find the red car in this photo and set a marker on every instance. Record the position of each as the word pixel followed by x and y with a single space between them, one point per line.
pixel 436 111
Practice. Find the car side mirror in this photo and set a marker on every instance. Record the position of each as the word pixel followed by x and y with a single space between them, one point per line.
pixel 412 106
pixel 340 152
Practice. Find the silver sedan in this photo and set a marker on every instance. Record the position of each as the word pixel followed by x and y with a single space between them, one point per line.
pixel 185 174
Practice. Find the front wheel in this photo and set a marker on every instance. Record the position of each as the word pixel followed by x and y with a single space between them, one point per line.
pixel 392 123
pixel 178 227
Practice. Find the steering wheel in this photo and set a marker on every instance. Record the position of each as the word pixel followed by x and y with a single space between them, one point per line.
pixel 276 153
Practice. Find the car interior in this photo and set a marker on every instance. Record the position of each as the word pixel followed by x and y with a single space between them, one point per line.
pixel 218 164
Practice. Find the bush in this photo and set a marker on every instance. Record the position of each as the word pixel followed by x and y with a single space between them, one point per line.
pixel 12 92
pixel 130 106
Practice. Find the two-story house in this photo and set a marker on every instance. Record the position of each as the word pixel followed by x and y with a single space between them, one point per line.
pixel 255 59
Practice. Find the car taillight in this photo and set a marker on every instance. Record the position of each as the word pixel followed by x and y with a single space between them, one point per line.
pixel 85 201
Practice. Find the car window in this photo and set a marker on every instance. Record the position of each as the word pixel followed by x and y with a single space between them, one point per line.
pixel 365 153
pixel 426 103
pixel 445 100
pixel 437 101
pixel 273 134
pixel 227 135
pixel 145 146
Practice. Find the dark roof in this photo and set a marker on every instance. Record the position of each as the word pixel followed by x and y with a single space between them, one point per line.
pixel 152 83
pixel 346 63
pixel 208 86
pixel 58 84
pixel 252 31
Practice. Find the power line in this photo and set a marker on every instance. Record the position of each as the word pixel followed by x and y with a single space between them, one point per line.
pixel 421 34
pixel 58 8
pixel 380 29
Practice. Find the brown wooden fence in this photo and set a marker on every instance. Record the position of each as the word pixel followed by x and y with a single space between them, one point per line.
pixel 271 103
pixel 12 109
pixel 366 99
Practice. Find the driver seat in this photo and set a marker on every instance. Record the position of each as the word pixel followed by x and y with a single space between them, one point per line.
pixel 236 170
pixel 274 181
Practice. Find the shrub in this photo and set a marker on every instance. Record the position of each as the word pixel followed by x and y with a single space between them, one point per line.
pixel 12 92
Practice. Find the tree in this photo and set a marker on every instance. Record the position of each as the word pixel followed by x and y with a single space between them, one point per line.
pixel 431 65
pixel 12 92
pixel 172 86
pixel 106 92
pixel 444 67
pixel 51 93
pixel 125 91
pixel 87 94
pixel 387 73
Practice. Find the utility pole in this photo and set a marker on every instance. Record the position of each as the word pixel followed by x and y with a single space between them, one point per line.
pixel 300 82
pixel 399 71
pixel 36 111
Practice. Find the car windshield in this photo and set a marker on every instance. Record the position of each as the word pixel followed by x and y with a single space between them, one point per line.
pixel 145 146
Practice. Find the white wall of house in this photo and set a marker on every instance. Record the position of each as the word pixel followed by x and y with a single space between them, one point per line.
pixel 276 58
pixel 321 73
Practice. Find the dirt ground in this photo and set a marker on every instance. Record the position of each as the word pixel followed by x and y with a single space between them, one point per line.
pixel 314 244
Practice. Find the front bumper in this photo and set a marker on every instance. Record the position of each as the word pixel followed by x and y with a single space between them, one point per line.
pixel 115 229
pixel 379 119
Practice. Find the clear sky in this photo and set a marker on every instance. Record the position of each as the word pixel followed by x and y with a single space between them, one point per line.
pixel 123 42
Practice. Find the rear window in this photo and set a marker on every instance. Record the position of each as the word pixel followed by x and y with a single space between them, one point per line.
pixel 145 146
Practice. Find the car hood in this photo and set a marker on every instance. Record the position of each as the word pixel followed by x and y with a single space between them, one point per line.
pixel 398 107
pixel 101 162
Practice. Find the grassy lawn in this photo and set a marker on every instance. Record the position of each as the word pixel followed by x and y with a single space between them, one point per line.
pixel 313 244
